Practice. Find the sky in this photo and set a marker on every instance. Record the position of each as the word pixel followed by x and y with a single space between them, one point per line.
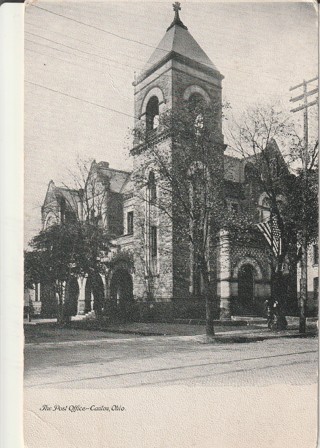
pixel 81 59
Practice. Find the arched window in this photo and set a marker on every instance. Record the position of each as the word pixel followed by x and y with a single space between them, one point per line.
pixel 152 188
pixel 199 194
pixel 264 207
pixel 152 114
pixel 196 105
pixel 50 221
pixel 151 227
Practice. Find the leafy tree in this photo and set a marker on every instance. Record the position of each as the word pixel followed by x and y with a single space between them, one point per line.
pixel 75 242
pixel 64 250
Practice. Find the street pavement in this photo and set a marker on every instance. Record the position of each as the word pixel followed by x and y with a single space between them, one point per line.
pixel 101 359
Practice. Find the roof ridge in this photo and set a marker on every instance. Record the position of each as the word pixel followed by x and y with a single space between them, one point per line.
pixel 115 169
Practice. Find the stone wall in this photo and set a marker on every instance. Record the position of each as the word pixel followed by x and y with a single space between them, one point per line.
pixel 152 282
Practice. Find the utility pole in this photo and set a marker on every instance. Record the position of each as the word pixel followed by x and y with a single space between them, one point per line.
pixel 304 244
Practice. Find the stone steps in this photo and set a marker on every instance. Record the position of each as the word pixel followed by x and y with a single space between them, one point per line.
pixel 91 315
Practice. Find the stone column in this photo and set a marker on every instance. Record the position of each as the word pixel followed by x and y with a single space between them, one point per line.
pixel 225 276
pixel 105 286
pixel 92 302
pixel 82 294
pixel 33 293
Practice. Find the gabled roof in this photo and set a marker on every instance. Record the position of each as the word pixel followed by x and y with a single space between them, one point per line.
pixel 54 194
pixel 178 40
pixel 71 196
pixel 127 187
pixel 114 178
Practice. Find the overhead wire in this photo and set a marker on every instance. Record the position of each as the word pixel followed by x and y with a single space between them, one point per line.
pixel 94 54
pixel 82 41
pixel 235 93
pixel 80 99
pixel 133 40
pixel 96 28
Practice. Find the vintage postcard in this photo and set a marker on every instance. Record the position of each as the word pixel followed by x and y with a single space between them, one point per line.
pixel 171 224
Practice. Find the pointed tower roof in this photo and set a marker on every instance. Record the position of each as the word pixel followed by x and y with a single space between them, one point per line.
pixel 178 42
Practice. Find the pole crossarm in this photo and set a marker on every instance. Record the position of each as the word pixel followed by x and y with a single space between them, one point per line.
pixel 300 97
pixel 303 83
pixel 305 106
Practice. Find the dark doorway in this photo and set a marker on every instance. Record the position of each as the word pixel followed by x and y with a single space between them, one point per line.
pixel 94 294
pixel 72 294
pixel 246 289
pixel 121 289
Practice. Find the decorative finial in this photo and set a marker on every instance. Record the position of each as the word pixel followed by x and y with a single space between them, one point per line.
pixel 176 20
pixel 176 8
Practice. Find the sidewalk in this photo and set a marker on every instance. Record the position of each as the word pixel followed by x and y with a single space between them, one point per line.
pixel 251 331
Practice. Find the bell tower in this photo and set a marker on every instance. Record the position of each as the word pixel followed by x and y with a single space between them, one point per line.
pixel 177 69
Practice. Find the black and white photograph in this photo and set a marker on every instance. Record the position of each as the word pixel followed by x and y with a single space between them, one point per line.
pixel 170 224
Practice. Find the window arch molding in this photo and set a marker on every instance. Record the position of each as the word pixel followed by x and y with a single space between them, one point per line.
pixel 50 220
pixel 263 207
pixel 262 199
pixel 154 91
pixel 251 262
pixel 196 89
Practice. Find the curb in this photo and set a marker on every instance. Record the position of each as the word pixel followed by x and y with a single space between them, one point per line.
pixel 227 336
pixel 252 338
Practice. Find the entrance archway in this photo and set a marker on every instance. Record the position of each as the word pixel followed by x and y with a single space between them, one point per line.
pixel 72 294
pixel 94 294
pixel 121 292
pixel 246 288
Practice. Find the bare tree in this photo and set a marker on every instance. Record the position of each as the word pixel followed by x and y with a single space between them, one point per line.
pixel 91 185
pixel 188 170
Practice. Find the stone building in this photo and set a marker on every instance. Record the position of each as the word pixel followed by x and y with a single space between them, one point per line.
pixel 150 276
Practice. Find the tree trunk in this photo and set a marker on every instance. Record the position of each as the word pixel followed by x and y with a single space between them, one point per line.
pixel 209 301
pixel 280 322
pixel 60 314
pixel 60 292
pixel 209 317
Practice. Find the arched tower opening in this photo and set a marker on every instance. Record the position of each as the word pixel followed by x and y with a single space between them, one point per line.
pixel 152 114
